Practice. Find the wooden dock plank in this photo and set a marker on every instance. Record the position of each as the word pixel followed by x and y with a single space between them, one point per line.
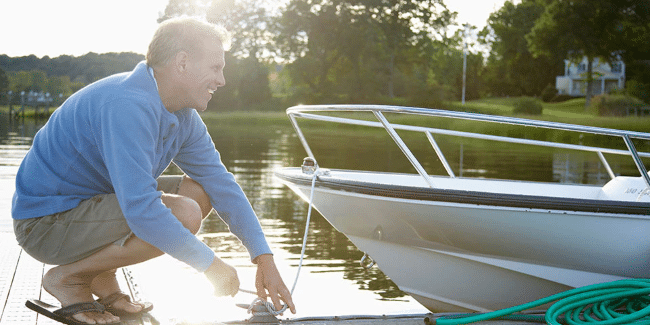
pixel 9 255
pixel 26 284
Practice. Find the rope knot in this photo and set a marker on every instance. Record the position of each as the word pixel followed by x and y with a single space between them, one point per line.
pixel 261 307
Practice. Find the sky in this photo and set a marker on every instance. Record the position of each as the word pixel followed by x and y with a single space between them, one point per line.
pixel 76 27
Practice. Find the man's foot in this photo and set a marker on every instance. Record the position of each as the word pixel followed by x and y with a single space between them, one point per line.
pixel 70 289
pixel 106 287
pixel 109 302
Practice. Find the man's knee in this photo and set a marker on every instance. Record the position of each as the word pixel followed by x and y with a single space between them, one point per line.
pixel 186 210
pixel 192 189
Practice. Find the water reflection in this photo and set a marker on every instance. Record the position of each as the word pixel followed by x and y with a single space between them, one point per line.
pixel 15 139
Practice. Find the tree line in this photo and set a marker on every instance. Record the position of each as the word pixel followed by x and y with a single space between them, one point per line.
pixel 62 75
pixel 408 52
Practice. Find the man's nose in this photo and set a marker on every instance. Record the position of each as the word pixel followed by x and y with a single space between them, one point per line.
pixel 221 80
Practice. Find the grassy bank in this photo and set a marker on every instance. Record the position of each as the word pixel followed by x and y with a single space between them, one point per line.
pixel 29 112
pixel 571 111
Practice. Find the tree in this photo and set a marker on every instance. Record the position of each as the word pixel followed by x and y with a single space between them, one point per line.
pixel 354 50
pixel 511 68
pixel 326 43
pixel 608 29
pixel 19 81
pixel 253 87
pixel 59 85
pixel 38 80
pixel 4 81
pixel 406 23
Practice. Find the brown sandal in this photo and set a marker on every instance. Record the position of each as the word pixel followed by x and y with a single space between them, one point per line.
pixel 109 300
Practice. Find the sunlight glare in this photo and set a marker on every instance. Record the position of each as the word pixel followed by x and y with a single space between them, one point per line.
pixel 76 27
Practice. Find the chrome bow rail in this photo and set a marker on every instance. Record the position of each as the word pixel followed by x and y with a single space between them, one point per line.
pixel 311 112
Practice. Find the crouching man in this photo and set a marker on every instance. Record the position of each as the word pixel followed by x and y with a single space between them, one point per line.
pixel 90 197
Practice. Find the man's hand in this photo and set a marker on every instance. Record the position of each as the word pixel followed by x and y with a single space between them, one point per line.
pixel 223 277
pixel 268 283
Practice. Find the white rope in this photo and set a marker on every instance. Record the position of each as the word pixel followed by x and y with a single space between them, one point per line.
pixel 269 306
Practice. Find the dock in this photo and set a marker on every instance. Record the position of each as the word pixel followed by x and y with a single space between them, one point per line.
pixel 20 274
pixel 175 302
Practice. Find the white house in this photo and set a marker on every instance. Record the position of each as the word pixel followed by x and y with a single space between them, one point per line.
pixel 606 77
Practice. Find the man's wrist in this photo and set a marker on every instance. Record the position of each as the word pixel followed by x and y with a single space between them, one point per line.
pixel 263 259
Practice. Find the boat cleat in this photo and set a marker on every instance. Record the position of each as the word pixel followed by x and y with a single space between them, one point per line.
pixel 260 314
pixel 309 165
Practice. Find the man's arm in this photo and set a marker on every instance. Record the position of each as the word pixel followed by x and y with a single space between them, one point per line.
pixel 199 159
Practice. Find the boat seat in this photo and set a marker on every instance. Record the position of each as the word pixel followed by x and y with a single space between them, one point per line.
pixel 626 188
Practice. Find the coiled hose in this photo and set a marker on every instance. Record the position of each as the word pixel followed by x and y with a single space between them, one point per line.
pixel 617 302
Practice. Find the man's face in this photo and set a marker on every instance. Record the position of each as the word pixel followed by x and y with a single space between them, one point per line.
pixel 204 75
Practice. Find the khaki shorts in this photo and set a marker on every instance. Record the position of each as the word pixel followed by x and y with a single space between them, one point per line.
pixel 73 235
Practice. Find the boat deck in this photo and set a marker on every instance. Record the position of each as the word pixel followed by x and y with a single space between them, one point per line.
pixel 20 279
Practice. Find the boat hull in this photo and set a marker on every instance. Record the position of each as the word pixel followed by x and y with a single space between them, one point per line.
pixel 454 256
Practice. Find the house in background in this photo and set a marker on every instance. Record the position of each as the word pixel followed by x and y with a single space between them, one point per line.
pixel 606 77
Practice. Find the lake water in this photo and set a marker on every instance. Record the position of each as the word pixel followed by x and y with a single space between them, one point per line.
pixel 332 282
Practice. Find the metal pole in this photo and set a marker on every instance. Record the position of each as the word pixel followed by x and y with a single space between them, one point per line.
pixel 464 61
pixel 414 162
pixel 637 159
pixel 464 72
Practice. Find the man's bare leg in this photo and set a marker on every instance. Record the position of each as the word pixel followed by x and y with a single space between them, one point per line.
pixel 73 283
pixel 106 283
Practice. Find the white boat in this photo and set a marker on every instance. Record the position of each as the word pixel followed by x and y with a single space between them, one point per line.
pixel 474 244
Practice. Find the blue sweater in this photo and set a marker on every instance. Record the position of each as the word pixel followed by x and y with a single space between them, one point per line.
pixel 115 136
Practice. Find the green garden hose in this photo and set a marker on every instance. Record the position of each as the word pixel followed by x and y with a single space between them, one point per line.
pixel 616 302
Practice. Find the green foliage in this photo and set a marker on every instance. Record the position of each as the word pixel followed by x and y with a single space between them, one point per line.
pixel 64 74
pixel 527 105
pixel 639 90
pixel 446 69
pixel 617 105
pixel 511 69
pixel 548 93
pixel 4 81
pixel 85 69
pixel 428 96
pixel 36 80
pixel 254 82
pixel 247 86
pixel 638 79
pixel 358 51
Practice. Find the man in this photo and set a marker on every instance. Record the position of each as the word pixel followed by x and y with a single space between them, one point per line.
pixel 89 195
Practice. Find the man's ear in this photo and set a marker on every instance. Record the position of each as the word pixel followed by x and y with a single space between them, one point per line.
pixel 181 60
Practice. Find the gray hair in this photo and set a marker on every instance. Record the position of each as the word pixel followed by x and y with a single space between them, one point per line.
pixel 183 34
